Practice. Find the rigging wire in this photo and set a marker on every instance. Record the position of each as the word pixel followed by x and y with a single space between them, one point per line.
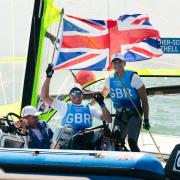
pixel 127 92
pixel 108 58
pixel 108 8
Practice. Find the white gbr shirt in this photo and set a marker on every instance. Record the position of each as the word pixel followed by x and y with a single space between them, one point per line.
pixel 136 82
pixel 62 107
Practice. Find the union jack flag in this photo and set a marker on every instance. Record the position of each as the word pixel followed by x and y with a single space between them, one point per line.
pixel 88 44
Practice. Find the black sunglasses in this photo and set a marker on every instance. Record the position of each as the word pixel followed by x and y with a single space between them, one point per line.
pixel 75 92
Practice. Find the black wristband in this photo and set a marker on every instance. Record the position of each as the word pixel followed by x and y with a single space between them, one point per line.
pixel 49 75
pixel 102 105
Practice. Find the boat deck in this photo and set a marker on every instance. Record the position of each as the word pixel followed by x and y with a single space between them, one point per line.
pixel 165 144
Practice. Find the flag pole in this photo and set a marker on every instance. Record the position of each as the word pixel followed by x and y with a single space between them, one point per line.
pixel 56 41
pixel 60 41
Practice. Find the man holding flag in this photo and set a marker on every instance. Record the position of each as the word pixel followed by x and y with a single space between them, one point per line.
pixel 88 44
pixel 78 115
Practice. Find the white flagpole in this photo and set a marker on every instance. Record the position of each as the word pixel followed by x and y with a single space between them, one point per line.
pixel 60 40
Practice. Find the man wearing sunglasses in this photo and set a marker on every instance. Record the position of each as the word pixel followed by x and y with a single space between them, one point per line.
pixel 76 113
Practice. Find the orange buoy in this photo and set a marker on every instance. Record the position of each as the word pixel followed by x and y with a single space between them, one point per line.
pixel 85 77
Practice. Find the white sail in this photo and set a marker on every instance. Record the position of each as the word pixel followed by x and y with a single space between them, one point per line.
pixel 15 23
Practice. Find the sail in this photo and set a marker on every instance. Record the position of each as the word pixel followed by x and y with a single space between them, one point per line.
pixel 15 23
pixel 167 65
pixel 44 15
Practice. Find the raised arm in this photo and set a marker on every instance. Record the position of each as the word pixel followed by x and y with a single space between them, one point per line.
pixel 45 88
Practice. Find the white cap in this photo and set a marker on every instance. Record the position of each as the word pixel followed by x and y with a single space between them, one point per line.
pixel 29 111
pixel 76 85
pixel 117 56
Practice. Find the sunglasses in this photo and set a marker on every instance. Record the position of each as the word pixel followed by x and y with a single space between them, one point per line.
pixel 117 61
pixel 74 93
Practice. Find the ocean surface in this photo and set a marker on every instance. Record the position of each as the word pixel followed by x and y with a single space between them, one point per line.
pixel 164 109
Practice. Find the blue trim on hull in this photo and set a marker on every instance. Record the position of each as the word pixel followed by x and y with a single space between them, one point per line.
pixel 100 163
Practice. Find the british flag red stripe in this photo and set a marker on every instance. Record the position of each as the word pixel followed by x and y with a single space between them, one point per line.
pixel 88 43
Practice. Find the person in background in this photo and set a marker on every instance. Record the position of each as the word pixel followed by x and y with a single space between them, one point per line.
pixel 75 113
pixel 128 95
pixel 39 133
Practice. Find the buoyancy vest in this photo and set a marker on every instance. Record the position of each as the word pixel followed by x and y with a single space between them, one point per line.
pixel 45 142
pixel 118 92
pixel 79 116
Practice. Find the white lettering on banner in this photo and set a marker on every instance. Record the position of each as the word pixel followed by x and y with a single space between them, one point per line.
pixel 119 93
pixel 166 42
pixel 177 162
pixel 170 42
pixel 79 118
pixel 176 42
pixel 172 49
pixel 170 45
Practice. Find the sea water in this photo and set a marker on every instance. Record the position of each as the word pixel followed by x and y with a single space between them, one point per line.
pixel 164 109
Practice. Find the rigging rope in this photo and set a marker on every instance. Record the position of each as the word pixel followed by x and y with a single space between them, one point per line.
pixel 127 92
pixel 108 14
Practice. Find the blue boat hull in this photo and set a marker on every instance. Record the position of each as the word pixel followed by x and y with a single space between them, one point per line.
pixel 83 163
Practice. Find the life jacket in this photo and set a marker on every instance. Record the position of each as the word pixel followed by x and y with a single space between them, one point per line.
pixel 79 116
pixel 46 133
pixel 118 92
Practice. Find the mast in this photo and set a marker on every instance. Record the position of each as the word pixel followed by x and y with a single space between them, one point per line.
pixel 32 53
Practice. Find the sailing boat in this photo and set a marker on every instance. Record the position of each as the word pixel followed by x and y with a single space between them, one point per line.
pixel 32 83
